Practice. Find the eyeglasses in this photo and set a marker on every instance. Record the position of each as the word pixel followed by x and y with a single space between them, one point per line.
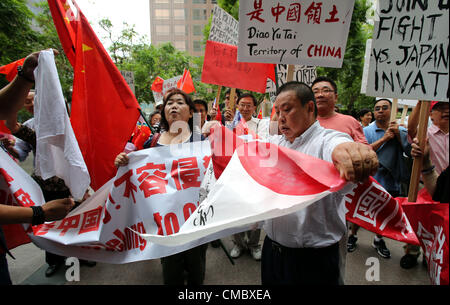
pixel 245 106
pixel 384 107
pixel 323 91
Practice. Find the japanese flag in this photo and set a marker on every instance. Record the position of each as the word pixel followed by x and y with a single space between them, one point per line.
pixel 261 181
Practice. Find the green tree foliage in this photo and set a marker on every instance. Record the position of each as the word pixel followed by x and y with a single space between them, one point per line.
pixel 17 38
pixel 133 53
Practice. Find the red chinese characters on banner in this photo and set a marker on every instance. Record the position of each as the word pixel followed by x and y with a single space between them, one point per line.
pixel 293 14
pixel 86 222
pixel 314 12
pixel 374 209
pixel 152 183
pixel 185 173
pixel 24 198
pixel 130 188
pixel 256 14
pixel 430 222
pixel 333 14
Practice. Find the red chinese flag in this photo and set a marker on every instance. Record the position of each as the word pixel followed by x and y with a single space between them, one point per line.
pixel 104 110
pixel 185 83
pixel 157 85
pixel 10 70
pixel 220 67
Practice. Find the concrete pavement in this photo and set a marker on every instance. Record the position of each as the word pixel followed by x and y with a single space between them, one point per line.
pixel 29 268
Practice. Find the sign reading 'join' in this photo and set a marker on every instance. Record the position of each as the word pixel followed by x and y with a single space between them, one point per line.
pixel 294 32
pixel 409 52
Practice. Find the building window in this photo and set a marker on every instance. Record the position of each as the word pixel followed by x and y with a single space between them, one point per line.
pixel 180 29
pixel 199 1
pixel 198 14
pixel 161 1
pixel 178 14
pixel 197 46
pixel 180 45
pixel 178 1
pixel 197 30
pixel 162 29
pixel 162 14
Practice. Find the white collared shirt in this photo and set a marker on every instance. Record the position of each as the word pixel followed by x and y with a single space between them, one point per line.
pixel 322 223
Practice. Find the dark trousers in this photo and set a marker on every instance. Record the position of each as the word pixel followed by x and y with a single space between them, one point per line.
pixel 292 266
pixel 5 279
pixel 193 261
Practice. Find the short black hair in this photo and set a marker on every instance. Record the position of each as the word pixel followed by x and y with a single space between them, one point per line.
pixel 363 112
pixel 150 117
pixel 383 99
pixel 302 91
pixel 164 123
pixel 201 102
pixel 325 79
pixel 255 103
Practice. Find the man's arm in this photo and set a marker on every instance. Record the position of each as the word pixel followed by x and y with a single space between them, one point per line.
pixel 388 135
pixel 53 210
pixel 12 96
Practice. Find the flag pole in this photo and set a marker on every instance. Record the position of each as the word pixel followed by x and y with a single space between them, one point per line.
pixel 146 122
pixel 219 90
pixel 290 73
pixel 417 164
pixel 394 109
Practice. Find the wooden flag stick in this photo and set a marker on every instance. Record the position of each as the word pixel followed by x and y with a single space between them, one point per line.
pixel 404 112
pixel 290 73
pixel 394 110
pixel 417 165
pixel 219 89
pixel 232 96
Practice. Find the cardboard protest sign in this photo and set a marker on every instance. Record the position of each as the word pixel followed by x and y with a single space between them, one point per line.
pixel 289 32
pixel 408 55
pixel 220 67
pixel 224 28
pixel 305 74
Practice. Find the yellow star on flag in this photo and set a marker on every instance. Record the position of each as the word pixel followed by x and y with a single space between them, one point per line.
pixel 86 47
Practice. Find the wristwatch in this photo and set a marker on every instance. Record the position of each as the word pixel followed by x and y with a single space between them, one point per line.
pixel 21 73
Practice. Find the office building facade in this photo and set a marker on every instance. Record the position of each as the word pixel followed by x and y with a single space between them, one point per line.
pixel 180 22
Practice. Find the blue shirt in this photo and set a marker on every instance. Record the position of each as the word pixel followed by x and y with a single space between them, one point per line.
pixel 393 169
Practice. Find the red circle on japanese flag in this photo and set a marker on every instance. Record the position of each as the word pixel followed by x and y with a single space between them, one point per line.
pixel 276 169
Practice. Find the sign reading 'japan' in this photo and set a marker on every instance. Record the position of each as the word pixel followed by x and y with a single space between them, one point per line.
pixel 294 32
pixel 408 55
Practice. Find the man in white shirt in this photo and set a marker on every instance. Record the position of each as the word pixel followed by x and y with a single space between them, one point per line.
pixel 246 105
pixel 303 247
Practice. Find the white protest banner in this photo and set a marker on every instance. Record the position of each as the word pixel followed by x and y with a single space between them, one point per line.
pixel 155 193
pixel 167 85
pixel 408 56
pixel 289 32
pixel 305 74
pixel 224 28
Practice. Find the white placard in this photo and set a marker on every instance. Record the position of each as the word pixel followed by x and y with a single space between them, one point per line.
pixel 409 52
pixel 224 28
pixel 305 74
pixel 291 32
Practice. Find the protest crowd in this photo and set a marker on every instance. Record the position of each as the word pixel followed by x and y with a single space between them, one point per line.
pixel 302 246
